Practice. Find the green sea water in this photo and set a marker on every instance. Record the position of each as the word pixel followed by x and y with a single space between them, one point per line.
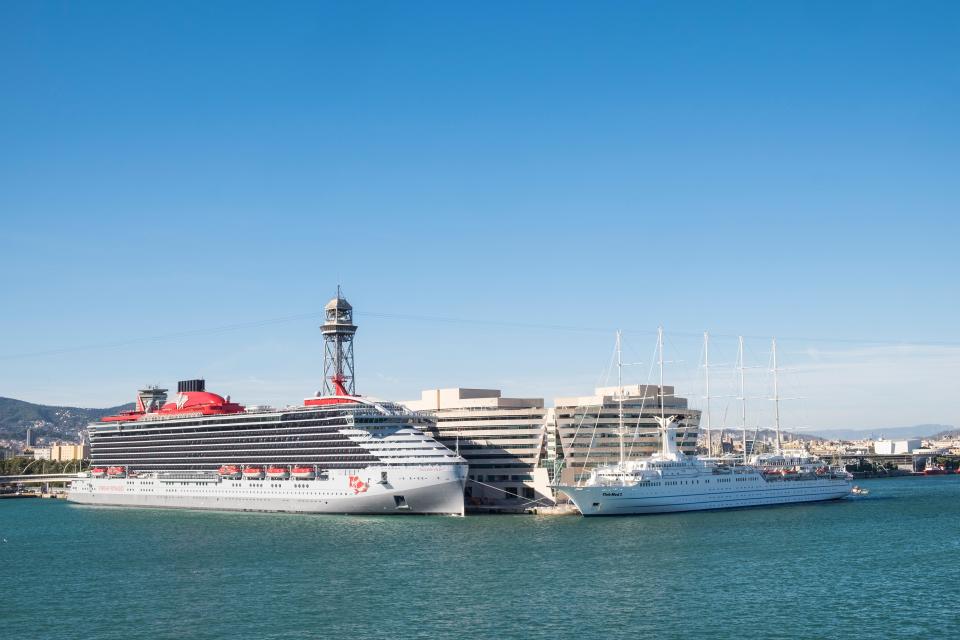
pixel 883 566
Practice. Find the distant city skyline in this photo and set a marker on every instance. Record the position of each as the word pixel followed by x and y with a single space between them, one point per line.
pixel 496 190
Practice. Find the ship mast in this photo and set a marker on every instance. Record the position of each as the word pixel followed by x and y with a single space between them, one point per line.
pixel 776 397
pixel 620 401
pixel 660 362
pixel 706 368
pixel 743 399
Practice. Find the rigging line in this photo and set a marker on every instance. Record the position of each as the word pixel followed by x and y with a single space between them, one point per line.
pixel 163 337
pixel 510 493
pixel 454 320
pixel 576 431
pixel 593 438
pixel 643 402
pixel 583 417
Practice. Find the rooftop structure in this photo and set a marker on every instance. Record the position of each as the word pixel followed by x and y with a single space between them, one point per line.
pixel 893 447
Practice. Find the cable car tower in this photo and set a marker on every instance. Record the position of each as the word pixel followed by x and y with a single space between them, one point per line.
pixel 338 330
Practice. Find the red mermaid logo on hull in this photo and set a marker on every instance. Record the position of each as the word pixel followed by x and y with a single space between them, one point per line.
pixel 358 485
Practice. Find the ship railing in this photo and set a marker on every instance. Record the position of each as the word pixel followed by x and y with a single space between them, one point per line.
pixel 188 476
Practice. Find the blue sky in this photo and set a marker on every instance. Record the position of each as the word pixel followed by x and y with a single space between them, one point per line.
pixel 477 176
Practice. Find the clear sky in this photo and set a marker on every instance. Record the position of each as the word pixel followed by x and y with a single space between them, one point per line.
pixel 498 186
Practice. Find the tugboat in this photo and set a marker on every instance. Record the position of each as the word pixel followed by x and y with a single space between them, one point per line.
pixel 933 469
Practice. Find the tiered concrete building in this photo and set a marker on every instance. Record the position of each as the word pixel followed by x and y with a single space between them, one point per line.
pixel 584 429
pixel 517 447
pixel 503 439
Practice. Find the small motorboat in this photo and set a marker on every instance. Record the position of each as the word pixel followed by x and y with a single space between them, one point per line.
pixel 859 491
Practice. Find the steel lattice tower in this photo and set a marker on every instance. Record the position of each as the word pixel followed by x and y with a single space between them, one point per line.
pixel 338 330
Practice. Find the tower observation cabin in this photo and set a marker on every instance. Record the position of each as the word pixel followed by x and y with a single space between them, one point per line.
pixel 338 330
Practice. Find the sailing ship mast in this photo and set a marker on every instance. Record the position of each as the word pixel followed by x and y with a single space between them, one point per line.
pixel 743 399
pixel 706 368
pixel 620 401
pixel 663 421
pixel 776 397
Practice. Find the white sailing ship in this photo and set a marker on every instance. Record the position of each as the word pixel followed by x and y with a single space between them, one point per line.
pixel 671 481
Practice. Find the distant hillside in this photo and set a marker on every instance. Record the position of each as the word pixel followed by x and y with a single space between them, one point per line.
pixel 947 434
pixel 767 434
pixel 50 422
pixel 890 433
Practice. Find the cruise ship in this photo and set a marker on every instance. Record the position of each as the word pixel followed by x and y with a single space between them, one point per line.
pixel 671 481
pixel 337 452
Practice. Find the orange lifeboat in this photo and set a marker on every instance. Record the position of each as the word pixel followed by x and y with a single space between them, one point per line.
pixel 254 473
pixel 229 471
pixel 116 472
pixel 98 472
pixel 304 473
pixel 278 473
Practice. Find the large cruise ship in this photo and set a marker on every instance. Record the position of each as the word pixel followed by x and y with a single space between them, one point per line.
pixel 336 453
pixel 671 481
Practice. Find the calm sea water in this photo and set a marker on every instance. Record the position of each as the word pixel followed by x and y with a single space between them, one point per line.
pixel 884 566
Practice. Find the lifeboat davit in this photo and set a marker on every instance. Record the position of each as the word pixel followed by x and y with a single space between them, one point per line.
pixel 304 473
pixel 254 473
pixel 116 472
pixel 229 471
pixel 98 472
pixel 278 473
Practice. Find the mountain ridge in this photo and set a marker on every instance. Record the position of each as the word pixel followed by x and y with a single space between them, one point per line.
pixel 49 421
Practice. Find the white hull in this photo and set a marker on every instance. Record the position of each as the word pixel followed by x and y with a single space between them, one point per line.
pixel 634 500
pixel 412 490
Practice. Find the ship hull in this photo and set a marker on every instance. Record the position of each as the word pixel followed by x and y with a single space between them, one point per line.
pixel 612 501
pixel 433 491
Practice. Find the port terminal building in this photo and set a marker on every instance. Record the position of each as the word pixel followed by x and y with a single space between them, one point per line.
pixel 503 439
pixel 518 447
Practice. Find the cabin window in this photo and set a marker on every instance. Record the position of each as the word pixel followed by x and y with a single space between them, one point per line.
pixel 399 501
